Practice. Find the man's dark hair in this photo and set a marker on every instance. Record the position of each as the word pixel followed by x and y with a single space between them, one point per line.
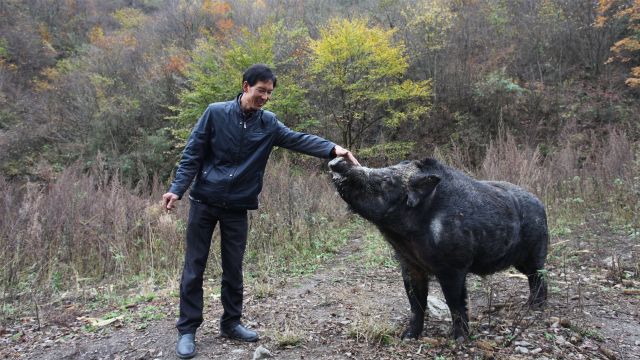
pixel 258 72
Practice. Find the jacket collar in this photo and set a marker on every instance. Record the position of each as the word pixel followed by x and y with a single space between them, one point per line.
pixel 246 115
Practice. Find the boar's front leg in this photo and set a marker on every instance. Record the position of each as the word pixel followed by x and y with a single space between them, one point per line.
pixel 416 283
pixel 454 288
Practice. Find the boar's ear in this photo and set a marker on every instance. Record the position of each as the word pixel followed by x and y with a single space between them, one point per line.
pixel 427 163
pixel 420 187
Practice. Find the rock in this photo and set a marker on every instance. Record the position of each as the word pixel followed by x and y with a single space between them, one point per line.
pixel 575 339
pixel 565 323
pixel 608 353
pixel 609 262
pixel 628 283
pixel 438 308
pixel 560 340
pixel 522 350
pixel 522 343
pixel 261 353
pixel 536 351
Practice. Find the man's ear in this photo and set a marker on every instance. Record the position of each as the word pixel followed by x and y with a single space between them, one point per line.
pixel 420 187
pixel 245 86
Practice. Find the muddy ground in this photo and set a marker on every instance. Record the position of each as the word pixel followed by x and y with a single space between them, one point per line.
pixel 351 309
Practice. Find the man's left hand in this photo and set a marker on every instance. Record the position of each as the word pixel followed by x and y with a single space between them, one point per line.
pixel 340 151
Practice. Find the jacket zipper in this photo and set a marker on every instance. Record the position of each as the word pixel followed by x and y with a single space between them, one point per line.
pixel 243 123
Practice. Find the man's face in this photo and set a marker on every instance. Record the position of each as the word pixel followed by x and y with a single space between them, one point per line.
pixel 254 97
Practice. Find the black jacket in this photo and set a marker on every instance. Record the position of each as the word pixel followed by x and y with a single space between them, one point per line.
pixel 227 153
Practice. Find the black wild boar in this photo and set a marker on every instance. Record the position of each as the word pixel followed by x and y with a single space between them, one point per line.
pixel 444 223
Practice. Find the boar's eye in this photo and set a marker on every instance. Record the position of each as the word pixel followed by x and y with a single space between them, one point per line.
pixel 386 182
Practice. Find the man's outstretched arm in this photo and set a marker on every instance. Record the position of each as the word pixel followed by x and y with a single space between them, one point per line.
pixel 340 151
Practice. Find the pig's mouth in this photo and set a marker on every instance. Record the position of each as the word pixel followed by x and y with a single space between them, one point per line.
pixel 339 181
pixel 339 168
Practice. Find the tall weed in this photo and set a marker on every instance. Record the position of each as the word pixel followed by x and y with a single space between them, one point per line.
pixel 85 227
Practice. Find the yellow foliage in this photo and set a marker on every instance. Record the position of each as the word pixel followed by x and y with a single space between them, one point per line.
pixel 633 82
pixel 435 17
pixel 348 49
pixel 96 35
pixel 626 49
pixel 633 11
pixel 176 64
pixel 98 38
pixel 605 5
pixel 129 40
pixel 360 70
pixel 626 44
pixel 215 7
pixel 130 18
pixel 550 10
pixel 43 30
pixel 224 25
pixel 50 74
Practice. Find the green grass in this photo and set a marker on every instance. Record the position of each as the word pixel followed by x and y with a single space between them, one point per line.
pixel 302 256
pixel 375 251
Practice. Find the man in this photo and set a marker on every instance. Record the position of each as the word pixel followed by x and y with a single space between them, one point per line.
pixel 226 154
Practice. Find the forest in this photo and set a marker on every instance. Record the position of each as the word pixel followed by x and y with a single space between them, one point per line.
pixel 97 99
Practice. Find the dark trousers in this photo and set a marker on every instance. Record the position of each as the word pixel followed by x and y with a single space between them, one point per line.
pixel 233 230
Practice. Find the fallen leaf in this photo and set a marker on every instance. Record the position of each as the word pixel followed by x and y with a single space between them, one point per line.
pixel 430 341
pixel 485 345
pixel 100 322
pixel 519 276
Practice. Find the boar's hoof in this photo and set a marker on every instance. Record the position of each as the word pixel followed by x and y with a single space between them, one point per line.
pixel 410 333
pixel 537 304
pixel 460 335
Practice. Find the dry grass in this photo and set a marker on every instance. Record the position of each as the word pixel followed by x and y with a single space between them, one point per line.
pixel 80 227
pixel 85 227
pixel 585 177
pixel 507 161
pixel 372 329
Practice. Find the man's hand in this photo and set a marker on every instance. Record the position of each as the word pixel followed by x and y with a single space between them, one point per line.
pixel 168 200
pixel 340 151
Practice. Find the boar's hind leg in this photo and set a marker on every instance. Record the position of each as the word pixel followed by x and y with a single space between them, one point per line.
pixel 455 292
pixel 416 283
pixel 537 283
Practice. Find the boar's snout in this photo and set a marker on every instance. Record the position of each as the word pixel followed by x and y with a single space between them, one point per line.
pixel 340 165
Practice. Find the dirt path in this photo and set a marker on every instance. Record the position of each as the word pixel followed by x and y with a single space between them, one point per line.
pixel 348 310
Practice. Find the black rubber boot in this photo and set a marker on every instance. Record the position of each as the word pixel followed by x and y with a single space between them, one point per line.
pixel 239 332
pixel 186 347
